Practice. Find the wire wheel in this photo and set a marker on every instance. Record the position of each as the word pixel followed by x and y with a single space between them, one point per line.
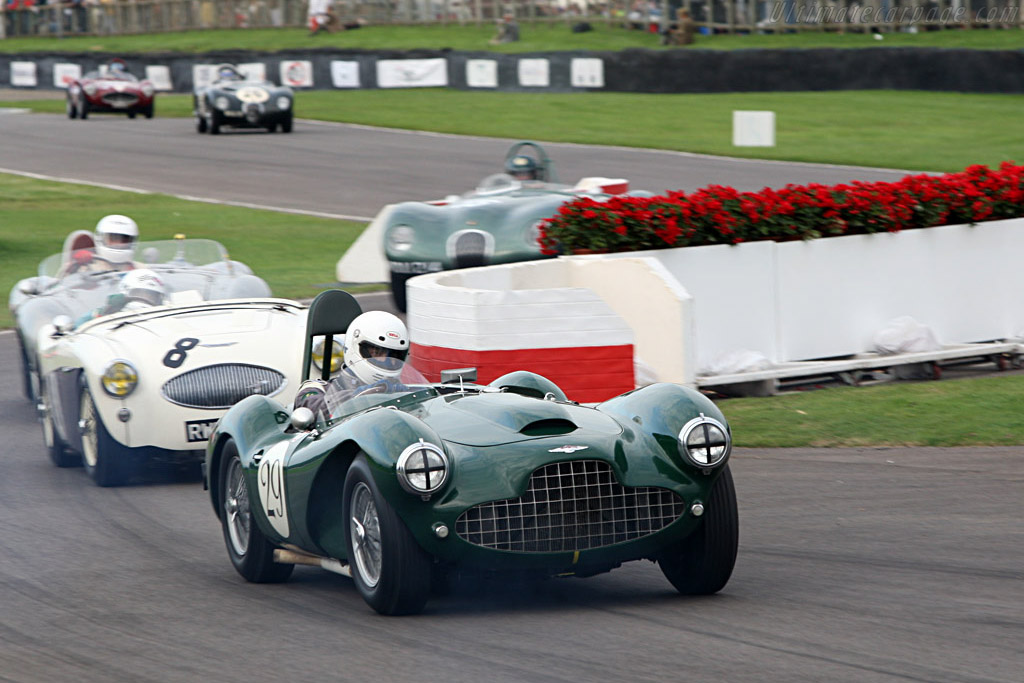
pixel 365 530
pixel 236 508
pixel 87 425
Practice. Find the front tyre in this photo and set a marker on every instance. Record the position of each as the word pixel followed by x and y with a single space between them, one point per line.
pixel 286 123
pixel 216 119
pixel 147 111
pixel 702 563
pixel 107 462
pixel 71 108
pixel 250 551
pixel 390 570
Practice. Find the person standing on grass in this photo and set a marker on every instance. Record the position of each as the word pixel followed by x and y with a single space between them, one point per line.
pixel 320 16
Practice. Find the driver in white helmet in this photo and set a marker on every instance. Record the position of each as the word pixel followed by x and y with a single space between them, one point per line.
pixel 139 289
pixel 113 247
pixel 376 346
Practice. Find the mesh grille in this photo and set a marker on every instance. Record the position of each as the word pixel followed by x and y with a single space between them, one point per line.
pixel 221 386
pixel 470 249
pixel 120 98
pixel 569 506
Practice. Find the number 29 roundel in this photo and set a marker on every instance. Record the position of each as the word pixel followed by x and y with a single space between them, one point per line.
pixel 270 482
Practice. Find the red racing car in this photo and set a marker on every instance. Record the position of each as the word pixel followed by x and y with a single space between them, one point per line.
pixel 111 90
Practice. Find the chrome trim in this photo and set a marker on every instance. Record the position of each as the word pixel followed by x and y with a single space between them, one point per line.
pixel 403 468
pixel 713 441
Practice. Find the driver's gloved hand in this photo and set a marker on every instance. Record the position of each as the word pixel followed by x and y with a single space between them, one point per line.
pixel 312 395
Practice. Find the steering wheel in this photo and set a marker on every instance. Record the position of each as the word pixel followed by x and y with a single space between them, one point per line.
pixel 375 388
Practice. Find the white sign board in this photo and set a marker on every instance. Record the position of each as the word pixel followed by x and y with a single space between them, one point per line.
pixel 160 76
pixel 533 73
pixel 344 74
pixel 753 129
pixel 412 73
pixel 297 73
pixel 64 73
pixel 253 71
pixel 24 74
pixel 203 75
pixel 482 73
pixel 587 72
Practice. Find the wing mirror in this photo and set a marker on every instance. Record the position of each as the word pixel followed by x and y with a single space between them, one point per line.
pixel 302 419
pixel 63 324
pixel 458 375
pixel 27 287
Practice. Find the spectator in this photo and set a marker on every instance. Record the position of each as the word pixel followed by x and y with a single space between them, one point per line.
pixel 320 16
pixel 508 30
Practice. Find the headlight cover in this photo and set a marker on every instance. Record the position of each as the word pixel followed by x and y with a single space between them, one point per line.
pixel 221 102
pixel 337 354
pixel 401 237
pixel 147 90
pixel 422 468
pixel 705 441
pixel 119 379
pixel 283 103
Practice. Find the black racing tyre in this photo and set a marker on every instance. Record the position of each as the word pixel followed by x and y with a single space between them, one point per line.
pixel 286 123
pixel 132 114
pixel 390 570
pixel 148 111
pixel 28 386
pixel 71 108
pixel 107 462
pixel 83 109
pixel 60 454
pixel 271 127
pixel 201 125
pixel 398 281
pixel 216 119
pixel 702 563
pixel 251 553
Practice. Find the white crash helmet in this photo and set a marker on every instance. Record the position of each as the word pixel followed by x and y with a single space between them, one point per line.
pixel 143 285
pixel 376 345
pixel 116 236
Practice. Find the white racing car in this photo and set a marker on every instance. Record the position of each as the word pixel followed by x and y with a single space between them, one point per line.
pixel 130 388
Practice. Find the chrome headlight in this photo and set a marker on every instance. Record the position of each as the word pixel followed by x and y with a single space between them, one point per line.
pixel 337 354
pixel 147 90
pixel 283 103
pixel 422 468
pixel 221 102
pixel 705 441
pixel 119 379
pixel 532 234
pixel 90 88
pixel 401 238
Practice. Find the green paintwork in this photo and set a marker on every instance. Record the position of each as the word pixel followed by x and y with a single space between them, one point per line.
pixel 491 459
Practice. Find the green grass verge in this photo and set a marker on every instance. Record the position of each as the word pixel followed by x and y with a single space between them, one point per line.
pixel 884 128
pixel 987 411
pixel 286 250
pixel 536 37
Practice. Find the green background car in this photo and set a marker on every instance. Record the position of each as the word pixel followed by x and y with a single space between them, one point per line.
pixel 498 222
pixel 401 485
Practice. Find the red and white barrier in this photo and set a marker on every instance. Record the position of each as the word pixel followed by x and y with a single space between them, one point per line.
pixel 548 317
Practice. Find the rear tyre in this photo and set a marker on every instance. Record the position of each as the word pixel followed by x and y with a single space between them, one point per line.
pixel 286 123
pixel 28 385
pixel 107 462
pixel 251 553
pixel 390 570
pixel 702 563
pixel 58 452
pixel 271 127
pixel 398 281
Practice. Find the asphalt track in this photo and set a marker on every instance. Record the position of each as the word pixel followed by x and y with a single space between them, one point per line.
pixel 854 565
pixel 343 169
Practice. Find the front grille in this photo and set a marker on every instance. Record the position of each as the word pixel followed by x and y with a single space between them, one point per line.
pixel 120 98
pixel 470 249
pixel 568 506
pixel 221 386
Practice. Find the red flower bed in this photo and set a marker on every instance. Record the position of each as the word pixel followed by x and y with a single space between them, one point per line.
pixel 721 215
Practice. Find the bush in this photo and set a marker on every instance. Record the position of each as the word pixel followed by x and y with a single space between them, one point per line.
pixel 721 215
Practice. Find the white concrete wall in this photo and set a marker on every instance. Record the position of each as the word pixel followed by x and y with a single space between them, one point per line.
pixel 564 302
pixel 794 301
